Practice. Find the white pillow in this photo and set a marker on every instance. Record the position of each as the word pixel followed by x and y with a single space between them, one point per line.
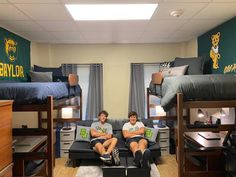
pixel 82 133
pixel 174 71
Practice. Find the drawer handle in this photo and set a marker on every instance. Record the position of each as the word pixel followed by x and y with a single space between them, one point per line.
pixel 66 135
pixel 66 143
pixel 163 141
pixel 163 132
pixel 66 152
pixel 164 150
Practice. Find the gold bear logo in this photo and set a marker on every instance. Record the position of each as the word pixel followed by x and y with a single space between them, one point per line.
pixel 214 52
pixel 11 49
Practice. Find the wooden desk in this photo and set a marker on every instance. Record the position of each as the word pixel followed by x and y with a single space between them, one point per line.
pixel 26 149
pixel 208 153
pixel 203 142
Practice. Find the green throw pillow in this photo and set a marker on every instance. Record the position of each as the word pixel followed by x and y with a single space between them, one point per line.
pixel 151 134
pixel 83 133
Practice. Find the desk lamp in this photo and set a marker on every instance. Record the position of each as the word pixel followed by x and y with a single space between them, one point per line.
pixel 66 113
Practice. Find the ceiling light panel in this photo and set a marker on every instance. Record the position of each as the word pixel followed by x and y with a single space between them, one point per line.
pixel 111 11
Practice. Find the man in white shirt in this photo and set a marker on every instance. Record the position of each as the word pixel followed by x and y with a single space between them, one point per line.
pixel 133 132
pixel 102 140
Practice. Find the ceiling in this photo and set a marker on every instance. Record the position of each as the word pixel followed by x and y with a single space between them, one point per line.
pixel 48 21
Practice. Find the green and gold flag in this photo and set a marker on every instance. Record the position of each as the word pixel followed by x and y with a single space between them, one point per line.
pixel 14 56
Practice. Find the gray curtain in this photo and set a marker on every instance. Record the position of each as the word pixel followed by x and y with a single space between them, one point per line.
pixel 95 91
pixel 137 90
pixel 69 69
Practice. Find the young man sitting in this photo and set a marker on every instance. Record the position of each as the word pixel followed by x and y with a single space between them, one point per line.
pixel 133 132
pixel 102 141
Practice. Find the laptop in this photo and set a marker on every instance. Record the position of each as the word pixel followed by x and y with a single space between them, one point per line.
pixel 209 135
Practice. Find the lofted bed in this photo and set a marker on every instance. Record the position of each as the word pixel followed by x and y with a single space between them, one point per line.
pixel 197 91
pixel 41 97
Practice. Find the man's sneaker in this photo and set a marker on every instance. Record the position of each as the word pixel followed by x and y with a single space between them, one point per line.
pixel 138 157
pixel 106 158
pixel 115 155
pixel 146 158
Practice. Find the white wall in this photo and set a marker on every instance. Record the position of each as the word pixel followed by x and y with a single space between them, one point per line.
pixel 116 59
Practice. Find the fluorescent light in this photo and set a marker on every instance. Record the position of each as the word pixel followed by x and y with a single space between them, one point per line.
pixel 111 11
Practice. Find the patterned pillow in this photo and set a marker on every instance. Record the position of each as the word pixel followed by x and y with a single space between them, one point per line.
pixel 40 76
pixel 82 133
pixel 174 71
pixel 151 134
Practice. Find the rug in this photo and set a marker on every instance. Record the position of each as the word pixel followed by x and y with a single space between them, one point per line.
pixel 96 171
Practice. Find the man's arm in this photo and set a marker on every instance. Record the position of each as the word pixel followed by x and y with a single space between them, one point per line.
pixel 128 134
pixel 96 134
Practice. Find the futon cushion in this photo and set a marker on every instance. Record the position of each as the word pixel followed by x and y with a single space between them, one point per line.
pixel 40 76
pixel 82 133
pixel 151 134
pixel 55 71
pixel 195 64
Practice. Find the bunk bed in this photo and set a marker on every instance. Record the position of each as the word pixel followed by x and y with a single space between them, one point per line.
pixel 43 99
pixel 197 91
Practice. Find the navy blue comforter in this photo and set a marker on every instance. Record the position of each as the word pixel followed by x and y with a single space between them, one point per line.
pixel 35 92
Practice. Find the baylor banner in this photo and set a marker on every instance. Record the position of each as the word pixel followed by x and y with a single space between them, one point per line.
pixel 218 47
pixel 14 56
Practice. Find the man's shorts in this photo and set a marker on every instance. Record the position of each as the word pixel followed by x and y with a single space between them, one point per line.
pixel 134 139
pixel 94 142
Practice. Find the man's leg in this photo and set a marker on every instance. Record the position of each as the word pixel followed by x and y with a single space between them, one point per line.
pixel 142 144
pixel 99 148
pixel 136 152
pixel 110 144
pixel 111 149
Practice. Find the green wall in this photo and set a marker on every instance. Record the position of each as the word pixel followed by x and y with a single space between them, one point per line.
pixel 226 48
pixel 14 56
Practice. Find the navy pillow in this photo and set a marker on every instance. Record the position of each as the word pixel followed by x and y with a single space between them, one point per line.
pixel 195 64
pixel 55 71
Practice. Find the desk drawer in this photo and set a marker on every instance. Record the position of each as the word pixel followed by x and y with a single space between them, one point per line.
pixel 67 136
pixel 66 144
pixel 6 135
pixel 64 153
pixel 165 151
pixel 164 142
pixel 6 115
pixel 163 133
pixel 6 155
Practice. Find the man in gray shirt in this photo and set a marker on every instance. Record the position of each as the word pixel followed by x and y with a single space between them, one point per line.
pixel 102 141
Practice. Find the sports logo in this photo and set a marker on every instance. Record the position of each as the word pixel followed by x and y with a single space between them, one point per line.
pixel 11 49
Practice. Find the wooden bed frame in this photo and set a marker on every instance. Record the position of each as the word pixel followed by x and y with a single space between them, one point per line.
pixel 181 152
pixel 48 107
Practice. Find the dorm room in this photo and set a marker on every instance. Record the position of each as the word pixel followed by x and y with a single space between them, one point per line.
pixel 175 67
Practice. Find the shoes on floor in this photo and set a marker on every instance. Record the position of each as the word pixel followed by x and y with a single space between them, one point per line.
pixel 115 155
pixel 137 158
pixel 106 158
pixel 146 158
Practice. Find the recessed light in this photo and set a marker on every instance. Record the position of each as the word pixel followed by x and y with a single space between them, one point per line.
pixel 177 13
pixel 111 11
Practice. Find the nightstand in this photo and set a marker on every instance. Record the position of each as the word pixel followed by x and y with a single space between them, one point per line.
pixel 164 139
pixel 67 137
